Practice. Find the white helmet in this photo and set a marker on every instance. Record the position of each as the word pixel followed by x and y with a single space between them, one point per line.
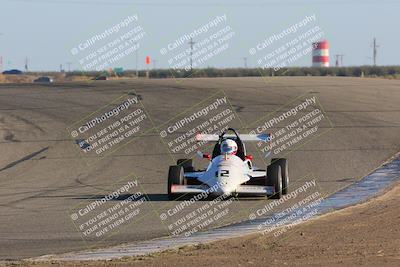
pixel 228 146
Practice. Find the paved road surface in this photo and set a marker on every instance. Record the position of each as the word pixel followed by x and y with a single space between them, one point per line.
pixel 44 175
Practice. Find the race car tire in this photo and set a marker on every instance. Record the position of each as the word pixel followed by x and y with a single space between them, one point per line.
pixel 285 173
pixel 187 164
pixel 175 177
pixel 274 178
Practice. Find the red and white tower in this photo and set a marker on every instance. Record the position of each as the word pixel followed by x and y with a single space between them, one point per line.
pixel 320 54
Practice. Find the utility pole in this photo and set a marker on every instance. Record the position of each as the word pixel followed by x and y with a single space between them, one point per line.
pixel 137 59
pixel 375 51
pixel 26 64
pixel 337 58
pixel 245 62
pixel 191 43
pixel 69 66
pixel 1 59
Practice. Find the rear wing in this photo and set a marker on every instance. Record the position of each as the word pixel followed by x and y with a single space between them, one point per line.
pixel 243 137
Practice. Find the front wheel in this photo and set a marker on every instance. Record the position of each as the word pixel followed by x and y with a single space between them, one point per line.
pixel 274 178
pixel 285 173
pixel 175 177
pixel 187 164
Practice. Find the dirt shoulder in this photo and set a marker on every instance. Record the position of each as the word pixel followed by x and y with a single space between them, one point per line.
pixel 367 234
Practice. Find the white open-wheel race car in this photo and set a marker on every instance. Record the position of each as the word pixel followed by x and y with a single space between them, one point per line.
pixel 230 171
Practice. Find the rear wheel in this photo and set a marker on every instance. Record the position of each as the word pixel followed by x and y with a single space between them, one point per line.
pixel 187 164
pixel 285 173
pixel 175 177
pixel 274 178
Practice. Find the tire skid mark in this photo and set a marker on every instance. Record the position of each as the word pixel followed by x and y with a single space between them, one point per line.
pixel 27 157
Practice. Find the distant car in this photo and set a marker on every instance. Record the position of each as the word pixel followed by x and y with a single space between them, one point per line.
pixel 100 78
pixel 16 72
pixel 43 79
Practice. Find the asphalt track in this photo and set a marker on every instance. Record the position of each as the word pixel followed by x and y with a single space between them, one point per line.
pixel 43 174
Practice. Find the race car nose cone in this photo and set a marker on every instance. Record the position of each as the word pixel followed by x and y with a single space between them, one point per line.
pixel 225 190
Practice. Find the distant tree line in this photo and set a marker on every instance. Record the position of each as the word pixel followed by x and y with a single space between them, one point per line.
pixel 360 71
pixel 368 71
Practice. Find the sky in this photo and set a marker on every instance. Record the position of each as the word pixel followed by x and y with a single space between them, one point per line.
pixel 45 31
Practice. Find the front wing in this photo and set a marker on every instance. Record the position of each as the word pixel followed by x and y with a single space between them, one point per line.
pixel 255 190
pixel 242 189
pixel 189 189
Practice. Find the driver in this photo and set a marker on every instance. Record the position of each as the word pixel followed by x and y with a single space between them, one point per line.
pixel 229 147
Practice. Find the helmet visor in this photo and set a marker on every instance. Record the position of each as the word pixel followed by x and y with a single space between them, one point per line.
pixel 226 149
